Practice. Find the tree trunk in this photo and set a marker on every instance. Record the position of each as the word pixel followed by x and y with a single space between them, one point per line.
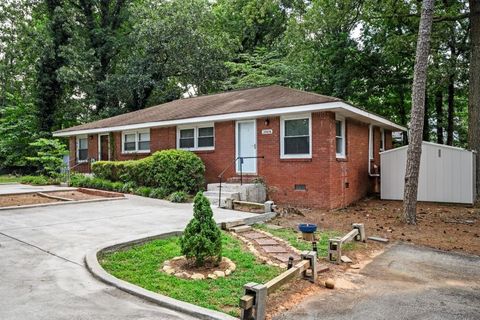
pixel 439 112
pixel 474 86
pixel 414 151
pixel 451 110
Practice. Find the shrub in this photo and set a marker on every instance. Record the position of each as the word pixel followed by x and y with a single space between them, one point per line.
pixel 201 239
pixel 178 196
pixel 143 191
pixel 117 186
pixel 173 170
pixel 159 193
pixel 129 187
pixel 36 180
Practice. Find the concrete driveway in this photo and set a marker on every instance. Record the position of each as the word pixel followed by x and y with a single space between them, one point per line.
pixel 405 282
pixel 42 250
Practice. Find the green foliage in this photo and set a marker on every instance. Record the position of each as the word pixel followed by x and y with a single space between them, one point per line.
pixel 49 158
pixel 143 191
pixel 158 193
pixel 178 196
pixel 140 265
pixel 38 180
pixel 201 239
pixel 129 187
pixel 172 170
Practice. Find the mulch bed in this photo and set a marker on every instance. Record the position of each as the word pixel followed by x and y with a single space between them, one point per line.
pixel 188 266
pixel 24 199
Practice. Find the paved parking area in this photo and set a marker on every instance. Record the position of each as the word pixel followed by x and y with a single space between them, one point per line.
pixel 17 188
pixel 405 282
pixel 42 250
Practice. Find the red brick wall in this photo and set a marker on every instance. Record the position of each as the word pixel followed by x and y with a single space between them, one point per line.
pixel 330 182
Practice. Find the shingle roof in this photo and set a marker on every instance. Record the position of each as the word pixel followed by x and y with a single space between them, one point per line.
pixel 214 104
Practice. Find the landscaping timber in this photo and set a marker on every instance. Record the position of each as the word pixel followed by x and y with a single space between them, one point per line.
pixel 379 239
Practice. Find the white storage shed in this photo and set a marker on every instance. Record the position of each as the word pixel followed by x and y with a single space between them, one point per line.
pixel 447 174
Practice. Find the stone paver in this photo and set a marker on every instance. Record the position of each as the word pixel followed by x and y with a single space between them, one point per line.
pixel 274 249
pixel 42 250
pixel 266 242
pixel 253 235
pixel 285 256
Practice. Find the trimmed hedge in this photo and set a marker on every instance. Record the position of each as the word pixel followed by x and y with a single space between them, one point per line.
pixel 170 170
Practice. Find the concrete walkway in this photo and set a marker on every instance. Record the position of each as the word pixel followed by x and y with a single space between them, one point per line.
pixel 405 282
pixel 17 188
pixel 42 250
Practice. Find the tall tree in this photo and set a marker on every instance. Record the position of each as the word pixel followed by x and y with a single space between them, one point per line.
pixel 474 86
pixel 414 151
pixel 50 88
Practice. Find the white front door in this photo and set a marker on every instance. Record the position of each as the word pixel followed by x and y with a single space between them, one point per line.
pixel 246 146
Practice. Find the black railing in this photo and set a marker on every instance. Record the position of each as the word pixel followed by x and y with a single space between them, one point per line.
pixel 220 176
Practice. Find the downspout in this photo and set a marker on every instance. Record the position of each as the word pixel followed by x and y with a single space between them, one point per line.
pixel 370 151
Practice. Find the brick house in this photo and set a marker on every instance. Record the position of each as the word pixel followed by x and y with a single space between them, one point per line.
pixel 312 150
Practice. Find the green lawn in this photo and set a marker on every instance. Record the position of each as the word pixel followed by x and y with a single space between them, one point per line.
pixel 294 238
pixel 140 265
pixel 7 178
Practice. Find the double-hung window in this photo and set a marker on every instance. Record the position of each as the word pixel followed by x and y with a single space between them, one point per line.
pixel 340 136
pixel 136 141
pixel 196 138
pixel 296 138
pixel 82 149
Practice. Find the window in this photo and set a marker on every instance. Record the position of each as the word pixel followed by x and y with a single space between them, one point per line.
pixel 136 141
pixel 382 139
pixel 196 138
pixel 82 149
pixel 340 136
pixel 296 137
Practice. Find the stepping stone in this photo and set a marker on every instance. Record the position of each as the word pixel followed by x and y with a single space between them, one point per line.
pixel 266 242
pixel 346 259
pixel 254 235
pixel 274 249
pixel 284 257
pixel 239 229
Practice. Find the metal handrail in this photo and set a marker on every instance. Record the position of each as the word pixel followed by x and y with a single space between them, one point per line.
pixel 220 176
pixel 69 172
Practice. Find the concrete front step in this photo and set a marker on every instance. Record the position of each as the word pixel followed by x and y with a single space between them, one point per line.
pixel 232 187
pixel 213 197
pixel 252 192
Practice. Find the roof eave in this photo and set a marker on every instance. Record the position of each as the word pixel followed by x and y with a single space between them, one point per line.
pixel 327 106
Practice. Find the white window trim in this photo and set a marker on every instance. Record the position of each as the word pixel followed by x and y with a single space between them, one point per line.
pixel 370 142
pixel 282 136
pixel 78 148
pixel 195 137
pixel 136 132
pixel 382 139
pixel 343 154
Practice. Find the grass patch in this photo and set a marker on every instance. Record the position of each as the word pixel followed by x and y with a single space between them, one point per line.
pixel 293 237
pixel 140 265
pixel 7 178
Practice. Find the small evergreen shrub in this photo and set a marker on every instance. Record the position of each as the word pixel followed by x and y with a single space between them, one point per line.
pixel 158 193
pixel 143 191
pixel 178 196
pixel 201 239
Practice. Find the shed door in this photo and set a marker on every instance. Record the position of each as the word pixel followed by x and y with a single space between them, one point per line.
pixel 246 146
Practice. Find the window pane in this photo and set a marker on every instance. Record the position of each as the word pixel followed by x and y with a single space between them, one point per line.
pixel 130 137
pixel 187 133
pixel 297 145
pixel 339 145
pixel 82 154
pixel 144 145
pixel 205 142
pixel 205 132
pixel 82 143
pixel 145 136
pixel 298 127
pixel 339 128
pixel 187 143
pixel 129 146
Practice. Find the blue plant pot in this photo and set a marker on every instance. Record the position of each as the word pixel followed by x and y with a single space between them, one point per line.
pixel 307 227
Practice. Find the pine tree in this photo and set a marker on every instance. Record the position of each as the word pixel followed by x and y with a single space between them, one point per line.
pixel 201 239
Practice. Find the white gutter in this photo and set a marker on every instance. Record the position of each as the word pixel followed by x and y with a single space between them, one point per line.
pixel 342 106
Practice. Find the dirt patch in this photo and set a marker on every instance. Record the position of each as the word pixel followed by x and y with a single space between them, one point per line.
pixel 24 199
pixel 74 195
pixel 184 265
pixel 440 226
